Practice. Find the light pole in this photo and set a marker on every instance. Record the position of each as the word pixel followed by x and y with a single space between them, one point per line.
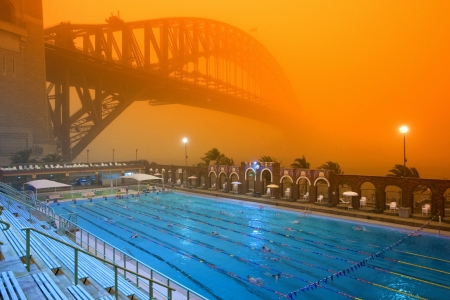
pixel 113 155
pixel 185 140
pixel 87 155
pixel 404 130
pixel 256 167
pixel 136 154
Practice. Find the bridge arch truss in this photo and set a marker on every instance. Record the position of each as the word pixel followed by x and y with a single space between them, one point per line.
pixel 189 61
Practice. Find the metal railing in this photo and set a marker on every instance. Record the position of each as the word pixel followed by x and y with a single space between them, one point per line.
pixel 19 196
pixel 105 251
pixel 77 250
pixel 6 224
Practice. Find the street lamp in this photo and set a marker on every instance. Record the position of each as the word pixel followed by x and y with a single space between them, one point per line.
pixel 185 140
pixel 404 130
pixel 87 155
pixel 113 154
pixel 136 154
pixel 256 168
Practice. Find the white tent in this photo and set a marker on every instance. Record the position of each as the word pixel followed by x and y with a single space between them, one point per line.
pixel 141 177
pixel 45 184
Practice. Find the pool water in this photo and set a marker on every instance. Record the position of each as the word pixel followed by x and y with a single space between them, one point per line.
pixel 214 245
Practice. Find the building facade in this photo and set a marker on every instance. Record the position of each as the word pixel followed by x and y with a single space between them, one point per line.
pixel 24 119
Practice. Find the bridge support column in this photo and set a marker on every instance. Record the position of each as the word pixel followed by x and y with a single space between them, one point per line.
pixel 65 118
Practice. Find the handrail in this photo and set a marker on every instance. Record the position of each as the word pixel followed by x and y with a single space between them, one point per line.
pixel 5 223
pixel 115 266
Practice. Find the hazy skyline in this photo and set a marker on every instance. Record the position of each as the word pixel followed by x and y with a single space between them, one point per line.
pixel 360 70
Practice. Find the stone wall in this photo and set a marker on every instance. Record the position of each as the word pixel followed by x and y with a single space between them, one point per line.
pixel 24 119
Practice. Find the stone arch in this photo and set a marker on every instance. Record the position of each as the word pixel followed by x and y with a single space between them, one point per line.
pixel 322 189
pixel 234 173
pixel 212 175
pixel 303 185
pixel 345 186
pixel 421 195
pixel 286 186
pixel 247 171
pixel 446 200
pixel 393 193
pixel 369 191
pixel 321 178
pixel 268 170
pixel 250 179
pixel 7 11
pixel 223 180
pixel 266 179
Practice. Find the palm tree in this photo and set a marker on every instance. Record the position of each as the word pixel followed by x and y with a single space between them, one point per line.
pixel 401 170
pixel 268 159
pixel 22 157
pixel 212 155
pixel 200 164
pixel 300 163
pixel 52 158
pixel 224 160
pixel 332 166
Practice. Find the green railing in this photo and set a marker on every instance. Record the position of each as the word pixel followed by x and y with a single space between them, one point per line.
pixel 17 195
pixel 95 245
pixel 6 224
pixel 115 266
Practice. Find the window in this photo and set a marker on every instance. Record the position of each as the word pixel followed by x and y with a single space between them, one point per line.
pixel 6 11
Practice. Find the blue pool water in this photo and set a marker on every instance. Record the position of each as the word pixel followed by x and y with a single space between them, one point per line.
pixel 176 238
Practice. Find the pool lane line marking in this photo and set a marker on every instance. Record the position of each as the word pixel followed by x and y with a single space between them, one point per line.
pixel 265 230
pixel 421 280
pixel 287 235
pixel 211 248
pixel 270 241
pixel 387 288
pixel 200 244
pixel 418 266
pixel 222 270
pixel 286 274
pixel 424 256
pixel 407 276
pixel 245 260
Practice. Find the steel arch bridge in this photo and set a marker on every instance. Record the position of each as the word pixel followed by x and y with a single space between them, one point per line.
pixel 199 62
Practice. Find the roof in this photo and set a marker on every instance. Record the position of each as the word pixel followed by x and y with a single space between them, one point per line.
pixel 141 177
pixel 44 184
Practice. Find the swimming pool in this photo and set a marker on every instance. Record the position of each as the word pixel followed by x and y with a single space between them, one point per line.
pixel 215 247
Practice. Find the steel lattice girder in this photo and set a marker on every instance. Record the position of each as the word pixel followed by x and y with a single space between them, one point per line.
pixel 188 61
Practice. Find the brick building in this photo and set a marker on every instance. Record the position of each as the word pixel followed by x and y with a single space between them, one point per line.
pixel 24 120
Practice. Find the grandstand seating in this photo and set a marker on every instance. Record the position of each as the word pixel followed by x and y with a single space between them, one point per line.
pixel 47 249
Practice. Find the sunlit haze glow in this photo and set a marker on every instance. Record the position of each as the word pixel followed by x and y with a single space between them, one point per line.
pixel 359 69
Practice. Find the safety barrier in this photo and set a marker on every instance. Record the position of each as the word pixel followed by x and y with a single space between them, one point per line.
pixel 76 252
pixel 101 249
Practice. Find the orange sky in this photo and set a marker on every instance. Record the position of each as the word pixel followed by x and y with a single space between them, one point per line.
pixel 360 70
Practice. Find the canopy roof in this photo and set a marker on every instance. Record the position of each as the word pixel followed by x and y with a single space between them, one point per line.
pixel 44 184
pixel 141 177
